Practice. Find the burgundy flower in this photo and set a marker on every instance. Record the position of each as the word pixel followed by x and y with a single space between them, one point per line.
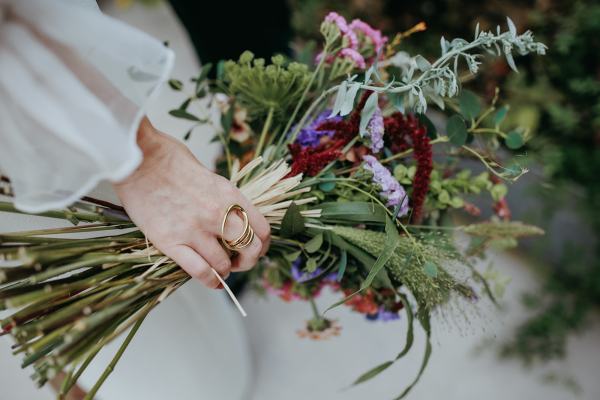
pixel 312 160
pixel 404 132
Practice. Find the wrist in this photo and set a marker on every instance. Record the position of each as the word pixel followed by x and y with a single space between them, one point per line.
pixel 149 139
pixel 155 147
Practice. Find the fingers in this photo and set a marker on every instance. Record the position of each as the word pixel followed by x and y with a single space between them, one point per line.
pixel 248 256
pixel 194 264
pixel 265 246
pixel 261 227
pixel 211 250
pixel 234 226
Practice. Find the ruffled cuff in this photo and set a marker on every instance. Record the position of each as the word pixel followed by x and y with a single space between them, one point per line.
pixel 74 85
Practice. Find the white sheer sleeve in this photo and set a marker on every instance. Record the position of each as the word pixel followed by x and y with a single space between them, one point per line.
pixel 73 85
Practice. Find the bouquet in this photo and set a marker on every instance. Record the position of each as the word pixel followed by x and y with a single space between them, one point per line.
pixel 340 157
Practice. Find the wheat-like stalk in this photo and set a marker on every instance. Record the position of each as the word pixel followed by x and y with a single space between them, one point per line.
pixel 271 190
pixel 74 295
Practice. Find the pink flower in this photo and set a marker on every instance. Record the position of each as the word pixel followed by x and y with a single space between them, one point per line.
pixel 375 36
pixel 347 32
pixel 354 56
pixel 336 19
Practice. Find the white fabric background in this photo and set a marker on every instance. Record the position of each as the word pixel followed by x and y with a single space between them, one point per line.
pixel 73 87
pixel 194 345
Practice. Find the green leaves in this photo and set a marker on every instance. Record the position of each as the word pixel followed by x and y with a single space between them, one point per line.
pixel 179 113
pixel 348 103
pixel 340 97
pixel 293 222
pixel 344 101
pixel 410 336
pixel 373 372
pixel 329 185
pixel 514 140
pixel 397 101
pixel 456 130
pixel 204 71
pixel 500 115
pixel 185 104
pixel 392 241
pixel 498 191
pixel 227 119
pixel 431 270
pixel 424 319
pixel 470 106
pixel 188 134
pixel 176 84
pixel 342 265
pixel 353 211
pixel 291 257
pixel 311 265
pixel 314 244
pixel 422 63
pixel 367 112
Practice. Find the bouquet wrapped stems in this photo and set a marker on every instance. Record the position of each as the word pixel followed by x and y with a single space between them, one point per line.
pixel 348 209
pixel 78 294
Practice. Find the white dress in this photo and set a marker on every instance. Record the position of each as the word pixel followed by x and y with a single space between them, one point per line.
pixel 74 85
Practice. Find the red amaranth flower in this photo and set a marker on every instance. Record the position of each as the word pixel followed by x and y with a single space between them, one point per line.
pixel 311 160
pixel 502 210
pixel 402 133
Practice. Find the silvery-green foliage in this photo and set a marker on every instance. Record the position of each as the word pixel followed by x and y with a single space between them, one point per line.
pixel 422 82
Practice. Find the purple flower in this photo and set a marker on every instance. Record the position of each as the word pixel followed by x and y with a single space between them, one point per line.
pixel 391 190
pixel 376 130
pixel 310 136
pixel 300 276
pixel 383 315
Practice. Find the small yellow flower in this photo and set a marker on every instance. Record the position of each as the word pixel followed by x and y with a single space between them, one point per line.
pixel 124 3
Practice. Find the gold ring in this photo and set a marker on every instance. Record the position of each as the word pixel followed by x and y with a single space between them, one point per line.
pixel 247 235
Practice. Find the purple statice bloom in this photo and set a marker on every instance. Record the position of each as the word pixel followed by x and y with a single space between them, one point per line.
pixel 375 130
pixel 331 277
pixel 310 136
pixel 383 315
pixel 391 190
pixel 300 276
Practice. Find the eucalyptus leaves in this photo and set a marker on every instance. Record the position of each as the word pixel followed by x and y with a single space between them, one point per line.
pixel 421 81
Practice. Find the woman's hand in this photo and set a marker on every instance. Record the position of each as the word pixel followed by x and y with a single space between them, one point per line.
pixel 179 204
